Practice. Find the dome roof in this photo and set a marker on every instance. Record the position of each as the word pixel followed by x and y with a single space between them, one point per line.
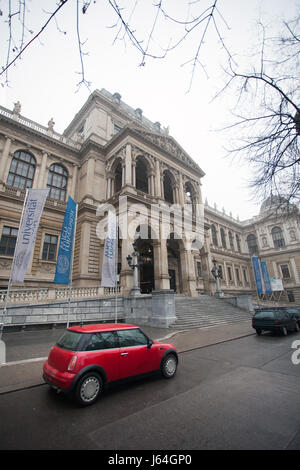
pixel 274 203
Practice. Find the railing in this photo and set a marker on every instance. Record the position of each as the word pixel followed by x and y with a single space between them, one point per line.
pixel 24 296
pixel 37 127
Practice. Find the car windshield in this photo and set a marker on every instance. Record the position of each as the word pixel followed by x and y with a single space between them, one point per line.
pixel 265 314
pixel 69 340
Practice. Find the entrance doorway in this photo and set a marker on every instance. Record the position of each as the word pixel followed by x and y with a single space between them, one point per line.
pixel 145 251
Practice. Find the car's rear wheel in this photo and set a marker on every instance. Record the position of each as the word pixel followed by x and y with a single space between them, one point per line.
pixel 297 327
pixel 258 331
pixel 88 389
pixel 169 366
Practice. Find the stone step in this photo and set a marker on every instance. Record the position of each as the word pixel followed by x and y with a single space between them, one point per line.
pixel 205 311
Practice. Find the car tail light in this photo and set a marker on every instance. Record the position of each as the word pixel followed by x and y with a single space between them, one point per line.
pixel 72 363
pixel 276 322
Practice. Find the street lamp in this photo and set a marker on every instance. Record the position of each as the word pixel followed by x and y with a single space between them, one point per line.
pixel 217 274
pixel 134 265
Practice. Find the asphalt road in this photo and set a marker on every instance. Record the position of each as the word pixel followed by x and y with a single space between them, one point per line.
pixel 242 394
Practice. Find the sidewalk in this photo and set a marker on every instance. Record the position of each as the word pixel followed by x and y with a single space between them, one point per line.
pixel 17 375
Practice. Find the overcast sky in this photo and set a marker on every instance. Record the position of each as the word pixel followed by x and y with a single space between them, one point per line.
pixel 45 79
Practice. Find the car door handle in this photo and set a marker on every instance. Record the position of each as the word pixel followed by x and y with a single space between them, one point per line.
pixel 124 354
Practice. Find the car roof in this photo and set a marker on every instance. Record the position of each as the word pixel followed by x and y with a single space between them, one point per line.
pixel 100 327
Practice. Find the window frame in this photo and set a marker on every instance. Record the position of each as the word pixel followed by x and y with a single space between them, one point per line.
pixel 43 247
pixel 60 188
pixel 9 238
pixel 20 164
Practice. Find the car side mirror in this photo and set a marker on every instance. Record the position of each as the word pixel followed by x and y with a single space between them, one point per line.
pixel 150 342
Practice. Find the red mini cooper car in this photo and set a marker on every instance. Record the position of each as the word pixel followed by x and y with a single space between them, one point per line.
pixel 87 358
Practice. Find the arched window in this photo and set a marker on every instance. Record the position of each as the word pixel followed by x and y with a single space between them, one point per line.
pixel 277 236
pixel 57 182
pixel 214 235
pixel 118 176
pixel 141 175
pixel 252 244
pixel 21 172
pixel 168 188
pixel 230 236
pixel 223 238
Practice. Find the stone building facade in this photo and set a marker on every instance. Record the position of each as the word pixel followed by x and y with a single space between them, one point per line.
pixel 112 157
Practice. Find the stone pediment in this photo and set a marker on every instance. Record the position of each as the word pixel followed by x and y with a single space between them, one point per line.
pixel 168 144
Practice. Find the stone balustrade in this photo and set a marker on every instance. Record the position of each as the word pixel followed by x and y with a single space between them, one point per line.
pixel 21 295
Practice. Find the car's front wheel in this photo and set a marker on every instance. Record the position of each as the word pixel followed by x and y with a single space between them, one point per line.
pixel 169 366
pixel 88 389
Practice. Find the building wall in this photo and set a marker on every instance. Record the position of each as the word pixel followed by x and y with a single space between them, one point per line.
pixel 107 134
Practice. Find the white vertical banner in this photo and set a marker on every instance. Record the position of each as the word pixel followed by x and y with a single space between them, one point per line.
pixel 108 278
pixel 32 210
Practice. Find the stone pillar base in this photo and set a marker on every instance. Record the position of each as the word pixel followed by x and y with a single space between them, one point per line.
pixel 163 308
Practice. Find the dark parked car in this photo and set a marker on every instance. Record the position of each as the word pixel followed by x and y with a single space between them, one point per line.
pixel 87 358
pixel 274 319
pixel 293 312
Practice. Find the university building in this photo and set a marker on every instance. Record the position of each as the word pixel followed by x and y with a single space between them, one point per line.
pixel 112 156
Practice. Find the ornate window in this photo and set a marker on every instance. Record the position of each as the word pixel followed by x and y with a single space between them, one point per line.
pixel 214 235
pixel 252 244
pixel 21 172
pixel 285 271
pixel 223 238
pixel 8 241
pixel 230 236
pixel 141 175
pixel 277 237
pixel 168 188
pixel 57 182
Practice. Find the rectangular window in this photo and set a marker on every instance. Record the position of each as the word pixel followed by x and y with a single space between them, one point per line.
pixel 229 273
pixel 220 271
pixel 245 275
pixel 49 248
pixel 285 271
pixel 8 241
pixel 237 273
pixel 199 273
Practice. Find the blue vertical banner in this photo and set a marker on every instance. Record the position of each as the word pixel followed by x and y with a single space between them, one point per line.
pixel 265 273
pixel 257 274
pixel 64 257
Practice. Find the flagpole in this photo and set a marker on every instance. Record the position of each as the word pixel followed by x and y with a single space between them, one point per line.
pixel 11 269
pixel 116 273
pixel 71 270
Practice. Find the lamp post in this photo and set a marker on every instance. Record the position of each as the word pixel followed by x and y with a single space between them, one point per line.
pixel 134 265
pixel 216 272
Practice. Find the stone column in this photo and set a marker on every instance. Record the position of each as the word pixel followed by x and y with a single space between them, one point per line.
pixel 4 158
pixel 157 179
pixel 126 275
pixel 84 248
pixel 43 176
pixel 161 273
pixel 181 191
pixel 128 166
pixel 74 181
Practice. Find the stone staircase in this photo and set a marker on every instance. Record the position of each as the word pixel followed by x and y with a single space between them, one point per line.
pixel 205 311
